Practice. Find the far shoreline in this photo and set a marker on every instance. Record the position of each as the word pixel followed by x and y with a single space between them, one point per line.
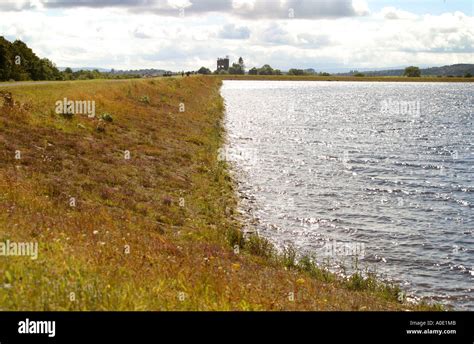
pixel 247 77
pixel 344 78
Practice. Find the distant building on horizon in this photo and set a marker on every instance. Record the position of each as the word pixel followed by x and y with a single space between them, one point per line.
pixel 223 63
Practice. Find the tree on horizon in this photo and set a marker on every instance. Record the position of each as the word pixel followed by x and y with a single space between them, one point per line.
pixel 412 71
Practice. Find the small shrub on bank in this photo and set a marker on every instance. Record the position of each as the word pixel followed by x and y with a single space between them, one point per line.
pixel 289 257
pixel 259 246
pixel 235 237
pixel 306 264
pixel 67 115
pixel 100 128
pixel 145 99
pixel 107 117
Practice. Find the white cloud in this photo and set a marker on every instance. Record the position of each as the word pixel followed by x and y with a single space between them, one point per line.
pixel 393 13
pixel 360 7
pixel 250 9
pixel 230 31
pixel 115 37
pixel 276 34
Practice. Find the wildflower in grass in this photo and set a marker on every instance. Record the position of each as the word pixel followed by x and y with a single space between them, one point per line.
pixel 300 281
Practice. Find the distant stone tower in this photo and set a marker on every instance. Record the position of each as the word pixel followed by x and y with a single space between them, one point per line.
pixel 223 63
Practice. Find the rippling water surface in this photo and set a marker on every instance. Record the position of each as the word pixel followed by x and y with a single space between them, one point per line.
pixel 381 172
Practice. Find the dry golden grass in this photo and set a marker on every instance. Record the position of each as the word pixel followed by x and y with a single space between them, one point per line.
pixel 172 204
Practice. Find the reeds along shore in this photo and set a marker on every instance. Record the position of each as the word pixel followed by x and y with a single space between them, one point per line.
pixel 133 210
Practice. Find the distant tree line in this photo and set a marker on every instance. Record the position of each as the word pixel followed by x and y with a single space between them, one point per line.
pixel 19 63
pixel 294 71
pixel 456 70
pixel 239 69
pixel 69 74
pixel 265 70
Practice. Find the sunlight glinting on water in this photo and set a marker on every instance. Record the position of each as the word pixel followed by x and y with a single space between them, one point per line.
pixel 378 172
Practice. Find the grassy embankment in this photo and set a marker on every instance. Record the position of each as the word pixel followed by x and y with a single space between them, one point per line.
pixel 172 204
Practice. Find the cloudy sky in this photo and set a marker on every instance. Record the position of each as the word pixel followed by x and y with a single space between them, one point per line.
pixel 327 35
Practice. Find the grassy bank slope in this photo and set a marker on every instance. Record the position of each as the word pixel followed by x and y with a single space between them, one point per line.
pixel 153 232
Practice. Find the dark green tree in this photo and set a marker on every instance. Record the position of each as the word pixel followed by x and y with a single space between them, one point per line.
pixel 6 59
pixel 236 69
pixel 412 72
pixel 294 71
pixel 18 62
pixel 253 71
pixel 242 64
pixel 204 71
pixel 266 70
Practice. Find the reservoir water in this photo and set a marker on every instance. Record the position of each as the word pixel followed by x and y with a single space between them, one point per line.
pixel 375 173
